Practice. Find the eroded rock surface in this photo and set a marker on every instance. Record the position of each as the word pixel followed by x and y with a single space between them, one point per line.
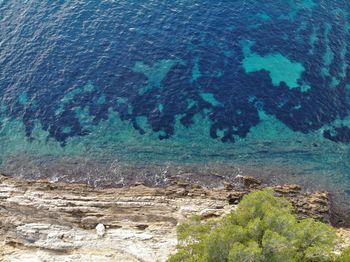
pixel 43 221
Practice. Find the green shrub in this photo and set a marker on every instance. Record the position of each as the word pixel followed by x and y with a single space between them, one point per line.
pixel 345 256
pixel 262 228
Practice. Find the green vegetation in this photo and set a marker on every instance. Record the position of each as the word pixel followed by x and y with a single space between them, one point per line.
pixel 345 256
pixel 262 228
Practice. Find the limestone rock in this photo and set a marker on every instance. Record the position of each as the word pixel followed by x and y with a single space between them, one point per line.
pixel 248 181
pixel 42 221
pixel 100 230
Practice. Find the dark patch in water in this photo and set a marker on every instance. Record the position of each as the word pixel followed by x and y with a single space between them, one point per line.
pixel 57 47
pixel 339 134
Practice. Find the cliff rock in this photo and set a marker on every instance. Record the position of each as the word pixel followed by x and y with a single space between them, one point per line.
pixel 43 221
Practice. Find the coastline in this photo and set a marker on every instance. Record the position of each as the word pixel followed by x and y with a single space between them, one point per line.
pixel 106 173
pixel 42 220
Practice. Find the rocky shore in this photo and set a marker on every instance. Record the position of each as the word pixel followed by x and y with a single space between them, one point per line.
pixel 44 221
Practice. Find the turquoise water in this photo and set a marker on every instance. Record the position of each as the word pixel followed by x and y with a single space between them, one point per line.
pixel 118 92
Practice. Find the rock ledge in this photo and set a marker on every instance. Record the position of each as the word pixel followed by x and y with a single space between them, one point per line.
pixel 43 221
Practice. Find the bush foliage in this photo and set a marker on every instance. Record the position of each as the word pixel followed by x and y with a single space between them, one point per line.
pixel 345 256
pixel 262 228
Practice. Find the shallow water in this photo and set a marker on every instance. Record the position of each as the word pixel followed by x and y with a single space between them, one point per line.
pixel 93 89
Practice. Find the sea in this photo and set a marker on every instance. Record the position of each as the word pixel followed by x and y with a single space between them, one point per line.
pixel 117 92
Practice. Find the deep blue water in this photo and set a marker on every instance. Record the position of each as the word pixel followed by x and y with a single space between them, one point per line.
pixel 252 83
